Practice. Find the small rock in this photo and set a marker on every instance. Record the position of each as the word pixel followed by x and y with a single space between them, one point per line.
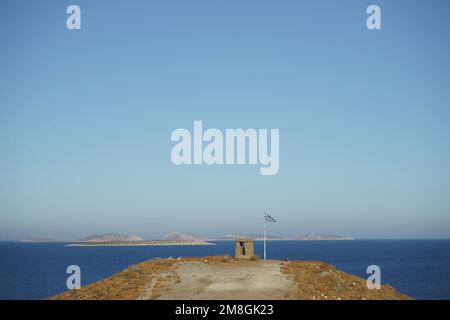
pixel 324 274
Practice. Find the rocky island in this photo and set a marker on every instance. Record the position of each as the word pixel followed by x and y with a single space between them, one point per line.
pixel 256 237
pixel 116 240
pixel 317 237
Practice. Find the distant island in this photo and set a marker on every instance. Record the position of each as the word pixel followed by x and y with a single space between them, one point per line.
pixel 315 237
pixel 140 243
pixel 258 237
pixel 250 236
pixel 118 240
pixel 176 238
pixel 111 237
pixel 180 236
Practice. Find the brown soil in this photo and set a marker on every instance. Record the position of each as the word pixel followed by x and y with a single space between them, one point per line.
pixel 225 278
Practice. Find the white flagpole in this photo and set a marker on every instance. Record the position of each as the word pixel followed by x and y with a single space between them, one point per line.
pixel 264 236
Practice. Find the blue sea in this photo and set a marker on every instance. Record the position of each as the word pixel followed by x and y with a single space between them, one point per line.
pixel 419 268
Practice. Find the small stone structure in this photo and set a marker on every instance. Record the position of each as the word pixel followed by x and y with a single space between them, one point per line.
pixel 245 249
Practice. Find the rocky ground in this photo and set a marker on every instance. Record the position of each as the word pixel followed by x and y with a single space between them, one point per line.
pixel 226 278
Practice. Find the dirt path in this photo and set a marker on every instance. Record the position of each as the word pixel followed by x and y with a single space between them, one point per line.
pixel 229 281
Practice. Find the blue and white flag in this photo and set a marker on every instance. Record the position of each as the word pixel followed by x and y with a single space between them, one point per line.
pixel 269 218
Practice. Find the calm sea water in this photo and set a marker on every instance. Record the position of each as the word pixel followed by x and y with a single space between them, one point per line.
pixel 419 268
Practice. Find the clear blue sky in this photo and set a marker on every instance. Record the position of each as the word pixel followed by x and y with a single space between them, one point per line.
pixel 86 117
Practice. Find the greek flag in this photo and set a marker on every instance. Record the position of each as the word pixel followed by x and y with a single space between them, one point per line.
pixel 269 218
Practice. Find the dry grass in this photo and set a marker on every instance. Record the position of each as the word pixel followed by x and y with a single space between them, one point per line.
pixel 321 281
pixel 141 281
